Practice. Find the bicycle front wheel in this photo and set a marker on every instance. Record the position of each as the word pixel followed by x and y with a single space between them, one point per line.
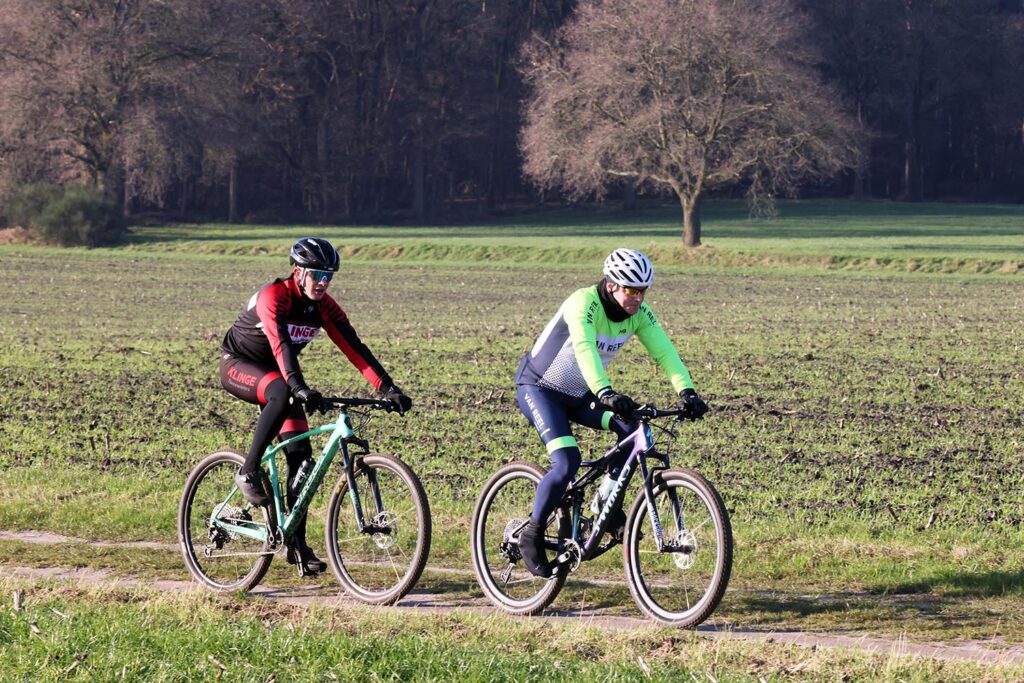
pixel 683 583
pixel 380 563
pixel 220 559
pixel 501 512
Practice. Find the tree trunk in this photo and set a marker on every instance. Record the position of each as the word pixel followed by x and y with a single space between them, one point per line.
pixel 860 182
pixel 233 193
pixel 691 221
pixel 491 193
pixel 419 198
pixel 862 172
pixel 111 181
pixel 321 165
pixel 126 204
pixel 185 200
pixel 629 194
pixel 910 188
pixel 912 179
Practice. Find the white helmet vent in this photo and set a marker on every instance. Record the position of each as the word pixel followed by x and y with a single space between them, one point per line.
pixel 629 268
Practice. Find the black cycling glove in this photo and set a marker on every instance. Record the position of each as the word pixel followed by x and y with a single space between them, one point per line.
pixel 312 399
pixel 402 402
pixel 620 404
pixel 693 405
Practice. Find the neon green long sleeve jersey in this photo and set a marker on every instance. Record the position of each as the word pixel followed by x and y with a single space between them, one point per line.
pixel 571 354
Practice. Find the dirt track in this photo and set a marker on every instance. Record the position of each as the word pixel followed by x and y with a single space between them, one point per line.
pixel 983 652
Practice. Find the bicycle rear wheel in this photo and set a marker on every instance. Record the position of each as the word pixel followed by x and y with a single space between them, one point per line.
pixel 382 563
pixel 217 558
pixel 682 585
pixel 502 510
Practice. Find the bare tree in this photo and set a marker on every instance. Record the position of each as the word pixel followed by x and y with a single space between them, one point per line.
pixel 97 91
pixel 687 95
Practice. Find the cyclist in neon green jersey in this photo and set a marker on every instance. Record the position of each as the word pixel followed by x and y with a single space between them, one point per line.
pixel 562 379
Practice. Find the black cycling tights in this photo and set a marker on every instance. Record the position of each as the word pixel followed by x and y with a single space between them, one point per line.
pixel 279 416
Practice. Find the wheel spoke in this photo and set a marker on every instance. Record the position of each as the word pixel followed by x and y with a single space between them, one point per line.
pixel 352 539
pixel 502 510
pixel 221 559
pixel 380 567
pixel 394 565
pixel 702 524
pixel 675 587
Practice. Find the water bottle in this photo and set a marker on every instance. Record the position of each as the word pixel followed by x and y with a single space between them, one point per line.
pixel 603 491
pixel 301 476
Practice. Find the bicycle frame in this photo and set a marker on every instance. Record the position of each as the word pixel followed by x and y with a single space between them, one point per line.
pixel 341 434
pixel 641 443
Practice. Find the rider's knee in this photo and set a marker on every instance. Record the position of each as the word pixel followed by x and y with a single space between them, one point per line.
pixel 277 392
pixel 565 462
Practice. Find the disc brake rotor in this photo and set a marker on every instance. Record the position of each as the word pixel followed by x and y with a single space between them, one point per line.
pixel 685 560
pixel 385 539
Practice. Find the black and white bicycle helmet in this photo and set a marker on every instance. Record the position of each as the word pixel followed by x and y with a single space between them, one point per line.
pixel 629 268
pixel 315 253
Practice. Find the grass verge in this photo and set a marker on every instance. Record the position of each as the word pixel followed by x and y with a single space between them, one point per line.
pixel 56 632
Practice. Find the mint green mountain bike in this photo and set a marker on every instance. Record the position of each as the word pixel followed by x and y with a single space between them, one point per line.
pixel 378 520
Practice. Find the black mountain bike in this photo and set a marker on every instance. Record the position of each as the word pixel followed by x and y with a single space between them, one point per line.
pixel 677 541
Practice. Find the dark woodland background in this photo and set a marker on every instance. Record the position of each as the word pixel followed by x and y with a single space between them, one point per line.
pixel 411 110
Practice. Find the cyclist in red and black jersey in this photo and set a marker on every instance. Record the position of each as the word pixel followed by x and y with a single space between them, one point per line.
pixel 259 363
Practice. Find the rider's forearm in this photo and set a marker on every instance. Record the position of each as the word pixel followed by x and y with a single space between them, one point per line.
pixel 344 336
pixel 660 347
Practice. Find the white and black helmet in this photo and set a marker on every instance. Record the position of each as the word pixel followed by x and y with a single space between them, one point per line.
pixel 629 268
pixel 315 253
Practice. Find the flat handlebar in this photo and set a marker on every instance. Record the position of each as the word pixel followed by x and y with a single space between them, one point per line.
pixel 377 403
pixel 649 412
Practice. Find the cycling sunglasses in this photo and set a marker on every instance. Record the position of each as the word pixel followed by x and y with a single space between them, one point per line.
pixel 634 291
pixel 320 275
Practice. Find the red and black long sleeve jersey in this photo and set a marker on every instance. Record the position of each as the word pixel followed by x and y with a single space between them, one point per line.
pixel 278 322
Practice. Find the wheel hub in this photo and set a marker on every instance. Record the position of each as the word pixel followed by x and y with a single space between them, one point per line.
pixel 509 546
pixel 687 558
pixel 231 515
pixel 388 536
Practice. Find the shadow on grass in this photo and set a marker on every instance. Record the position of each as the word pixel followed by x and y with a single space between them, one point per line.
pixel 787 606
pixel 962 584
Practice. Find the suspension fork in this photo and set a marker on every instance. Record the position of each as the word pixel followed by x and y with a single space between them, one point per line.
pixel 647 476
pixel 677 511
pixel 371 479
pixel 353 492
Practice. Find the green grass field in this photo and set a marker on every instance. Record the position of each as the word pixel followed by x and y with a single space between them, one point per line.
pixel 866 434
pixel 831 235
pixel 111 634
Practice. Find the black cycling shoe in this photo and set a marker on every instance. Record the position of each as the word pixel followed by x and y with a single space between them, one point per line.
pixel 531 547
pixel 251 486
pixel 311 564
